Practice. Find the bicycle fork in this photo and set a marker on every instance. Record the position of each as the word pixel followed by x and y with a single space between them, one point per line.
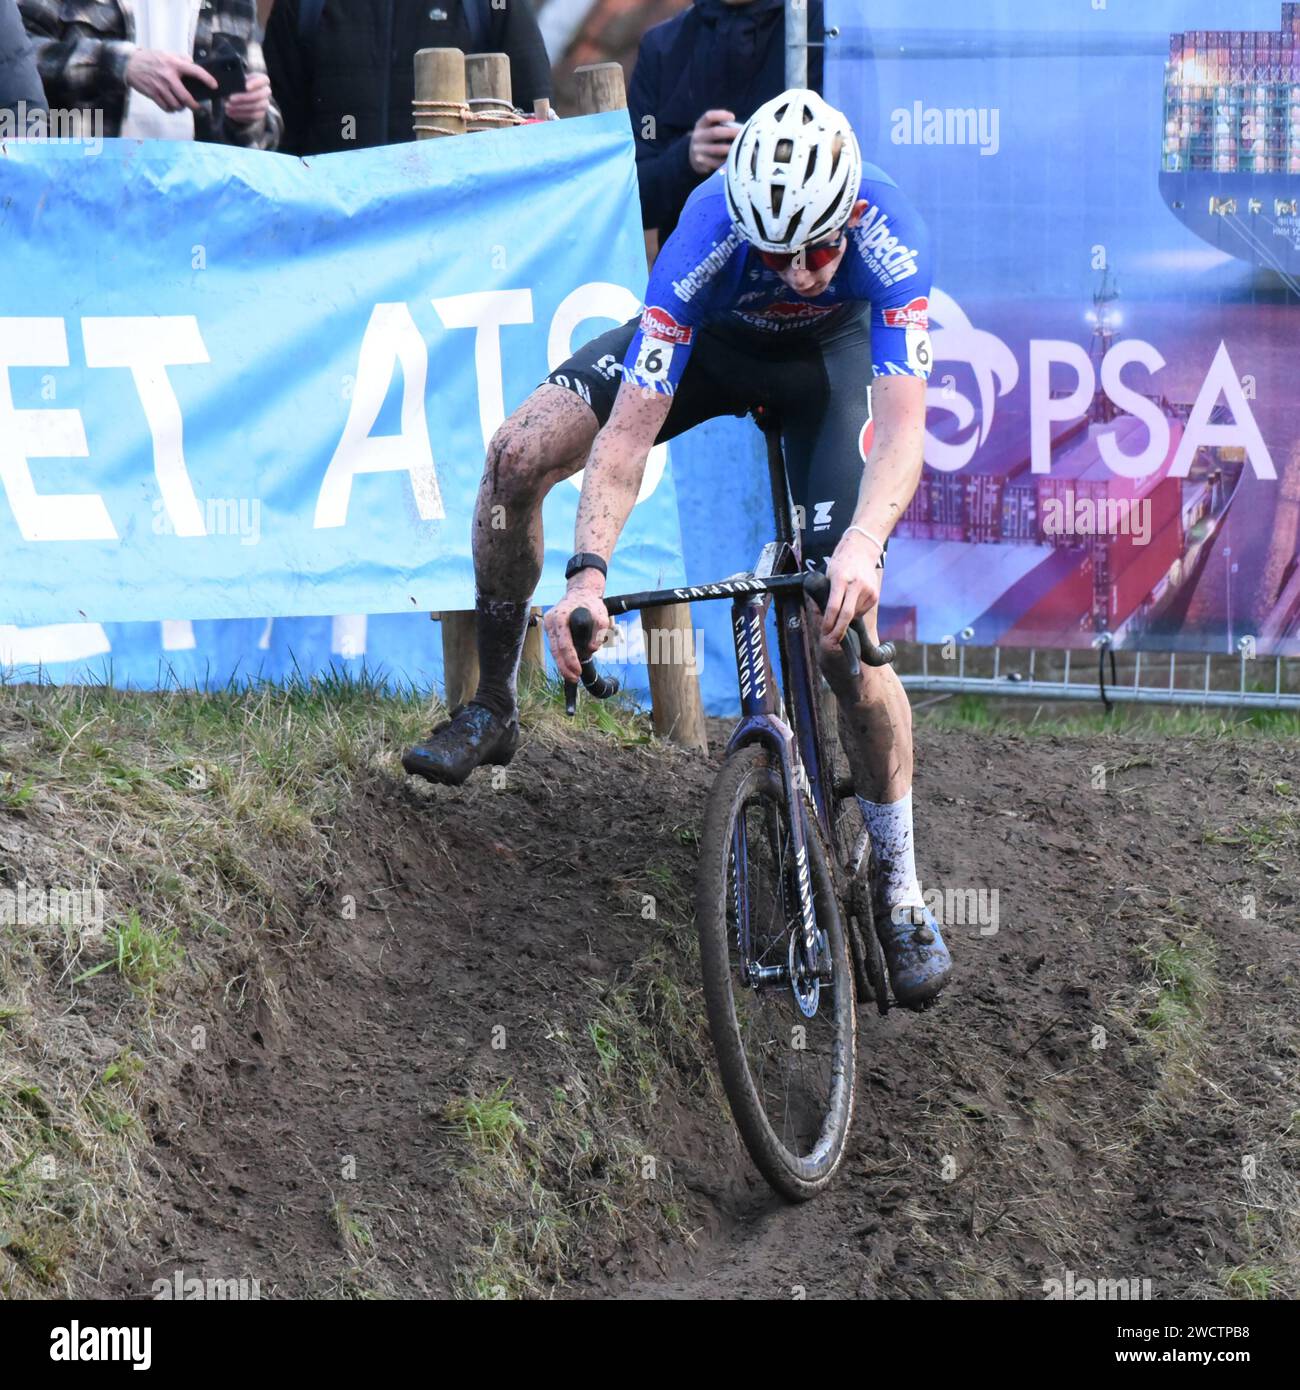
pixel 761 722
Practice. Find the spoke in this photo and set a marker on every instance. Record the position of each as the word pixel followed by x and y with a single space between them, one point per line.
pixel 795 1091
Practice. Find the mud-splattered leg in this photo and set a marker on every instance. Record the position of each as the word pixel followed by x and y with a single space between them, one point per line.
pixel 875 721
pixel 546 440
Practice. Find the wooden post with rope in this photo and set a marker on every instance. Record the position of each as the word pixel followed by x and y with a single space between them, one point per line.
pixel 440 109
pixel 671 658
pixel 490 98
pixel 487 85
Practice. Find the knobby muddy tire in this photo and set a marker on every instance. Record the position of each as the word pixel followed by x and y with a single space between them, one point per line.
pixel 750 773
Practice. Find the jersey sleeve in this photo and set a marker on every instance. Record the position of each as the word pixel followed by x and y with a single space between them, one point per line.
pixel 682 290
pixel 891 246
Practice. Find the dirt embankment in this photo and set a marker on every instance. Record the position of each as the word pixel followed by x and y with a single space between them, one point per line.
pixel 463 1053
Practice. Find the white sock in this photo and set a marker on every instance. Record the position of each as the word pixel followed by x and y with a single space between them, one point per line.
pixel 890 827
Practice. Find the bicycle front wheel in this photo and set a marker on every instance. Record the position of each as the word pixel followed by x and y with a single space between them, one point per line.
pixel 785 1044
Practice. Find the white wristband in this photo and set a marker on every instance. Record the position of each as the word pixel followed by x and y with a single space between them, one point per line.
pixel 880 545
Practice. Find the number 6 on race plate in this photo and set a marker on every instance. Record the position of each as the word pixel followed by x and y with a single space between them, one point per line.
pixel 654 360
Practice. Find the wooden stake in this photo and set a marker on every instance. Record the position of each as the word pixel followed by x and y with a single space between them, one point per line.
pixel 439 92
pixel 677 709
pixel 440 95
pixel 459 658
pixel 487 80
pixel 600 88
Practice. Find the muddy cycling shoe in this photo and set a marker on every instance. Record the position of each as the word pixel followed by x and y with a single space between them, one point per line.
pixel 918 961
pixel 474 735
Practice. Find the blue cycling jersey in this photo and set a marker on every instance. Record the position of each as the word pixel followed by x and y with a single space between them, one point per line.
pixel 707 273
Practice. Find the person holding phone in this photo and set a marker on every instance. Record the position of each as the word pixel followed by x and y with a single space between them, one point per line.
pixel 698 78
pixel 158 69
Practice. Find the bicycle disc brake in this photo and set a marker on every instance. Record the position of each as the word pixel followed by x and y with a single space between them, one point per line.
pixel 805 985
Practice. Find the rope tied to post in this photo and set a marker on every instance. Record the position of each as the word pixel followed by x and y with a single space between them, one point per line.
pixel 489 112
pixel 427 112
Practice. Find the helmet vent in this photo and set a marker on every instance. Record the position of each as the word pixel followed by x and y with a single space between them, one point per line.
pixel 812 163
pixel 778 197
pixel 827 220
pixel 784 151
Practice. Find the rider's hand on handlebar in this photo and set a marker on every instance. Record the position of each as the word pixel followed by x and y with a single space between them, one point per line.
pixel 583 593
pixel 854 572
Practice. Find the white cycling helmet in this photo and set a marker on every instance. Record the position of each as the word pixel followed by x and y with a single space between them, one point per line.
pixel 793 172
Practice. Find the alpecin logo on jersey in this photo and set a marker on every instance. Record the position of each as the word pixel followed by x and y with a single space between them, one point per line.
pixel 913 315
pixel 887 257
pixel 659 323
pixel 784 315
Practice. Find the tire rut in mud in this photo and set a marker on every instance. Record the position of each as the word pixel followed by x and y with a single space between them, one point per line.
pixel 1040 1120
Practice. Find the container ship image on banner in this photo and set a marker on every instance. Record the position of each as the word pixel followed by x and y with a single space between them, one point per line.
pixel 1017 558
pixel 1230 169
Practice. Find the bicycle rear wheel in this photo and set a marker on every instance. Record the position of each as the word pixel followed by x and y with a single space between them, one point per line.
pixel 788 1069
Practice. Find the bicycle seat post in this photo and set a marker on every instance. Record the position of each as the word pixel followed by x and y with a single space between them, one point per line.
pixel 770 424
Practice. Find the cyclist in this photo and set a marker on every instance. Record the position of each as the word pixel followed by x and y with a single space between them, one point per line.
pixel 797 279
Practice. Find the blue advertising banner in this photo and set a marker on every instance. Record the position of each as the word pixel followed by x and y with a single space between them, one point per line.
pixel 235 384
pixel 1113 193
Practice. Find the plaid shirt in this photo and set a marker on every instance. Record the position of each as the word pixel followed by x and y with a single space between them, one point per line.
pixel 82 47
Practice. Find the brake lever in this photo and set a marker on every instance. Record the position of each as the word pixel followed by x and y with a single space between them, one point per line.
pixel 582 627
pixel 857 645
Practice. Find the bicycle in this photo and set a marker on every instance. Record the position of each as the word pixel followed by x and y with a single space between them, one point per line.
pixel 783 898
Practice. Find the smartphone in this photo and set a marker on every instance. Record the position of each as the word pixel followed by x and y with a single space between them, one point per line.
pixel 228 69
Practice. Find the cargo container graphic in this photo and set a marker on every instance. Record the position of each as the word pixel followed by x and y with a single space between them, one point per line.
pixel 1022 558
pixel 1230 169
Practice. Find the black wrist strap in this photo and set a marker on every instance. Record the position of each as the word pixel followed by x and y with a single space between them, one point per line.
pixel 585 560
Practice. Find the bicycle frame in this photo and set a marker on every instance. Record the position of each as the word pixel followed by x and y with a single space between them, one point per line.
pixel 791 727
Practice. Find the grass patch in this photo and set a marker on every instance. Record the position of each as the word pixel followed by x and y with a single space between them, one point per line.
pixel 1039 718
pixel 1250 1281
pixel 617 717
pixel 13 795
pixel 143 956
pixel 491 1123
pixel 1262 840
pixel 1183 976
pixel 354 1231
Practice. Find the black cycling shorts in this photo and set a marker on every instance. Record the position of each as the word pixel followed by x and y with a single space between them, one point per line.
pixel 819 387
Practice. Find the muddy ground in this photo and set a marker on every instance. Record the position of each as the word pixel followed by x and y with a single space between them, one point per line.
pixel 1108 1088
